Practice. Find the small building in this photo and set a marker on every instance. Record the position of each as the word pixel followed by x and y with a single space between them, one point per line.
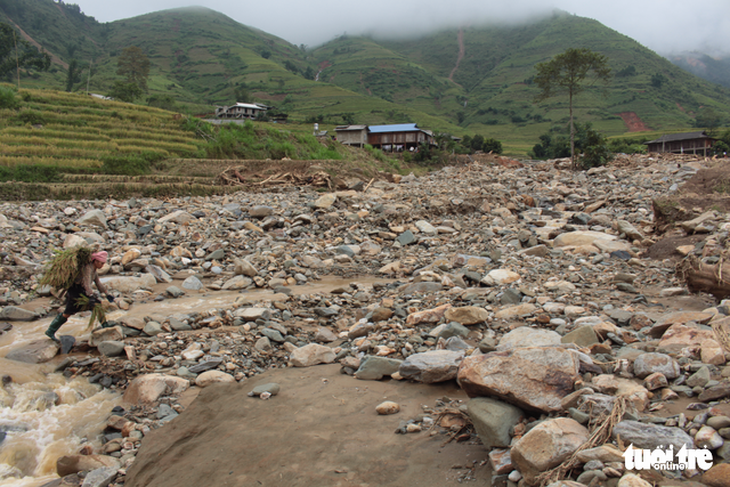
pixel 398 137
pixel 685 143
pixel 240 110
pixel 355 135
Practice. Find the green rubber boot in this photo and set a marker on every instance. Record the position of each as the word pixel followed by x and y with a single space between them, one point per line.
pixel 57 322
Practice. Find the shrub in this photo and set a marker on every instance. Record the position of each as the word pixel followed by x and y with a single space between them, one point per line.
pixel 7 98
pixel 30 173
pixel 130 164
pixel 31 117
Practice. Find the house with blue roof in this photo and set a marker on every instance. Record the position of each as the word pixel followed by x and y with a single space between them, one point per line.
pixel 389 138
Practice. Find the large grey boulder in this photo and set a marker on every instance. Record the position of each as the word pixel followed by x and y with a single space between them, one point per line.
pixel 36 352
pixel 432 366
pixel 375 368
pixel 13 313
pixel 652 436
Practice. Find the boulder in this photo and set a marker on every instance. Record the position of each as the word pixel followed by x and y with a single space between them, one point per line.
pixel 37 352
pixel 13 313
pixel 312 354
pixel 651 436
pixel 213 376
pixel 146 389
pixel 432 366
pixel 467 315
pixel 111 334
pixel 536 378
pixel 652 362
pixel 547 445
pixel 95 218
pixel 375 368
pixel 493 420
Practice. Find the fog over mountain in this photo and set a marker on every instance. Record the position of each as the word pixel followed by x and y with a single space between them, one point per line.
pixel 665 26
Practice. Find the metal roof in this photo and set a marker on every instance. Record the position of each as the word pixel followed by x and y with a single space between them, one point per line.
pixel 400 127
pixel 678 137
pixel 247 105
pixel 342 128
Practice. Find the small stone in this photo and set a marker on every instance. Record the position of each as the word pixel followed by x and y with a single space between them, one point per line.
pixel 387 407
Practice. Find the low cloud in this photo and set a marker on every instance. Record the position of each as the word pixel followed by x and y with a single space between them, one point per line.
pixel 665 26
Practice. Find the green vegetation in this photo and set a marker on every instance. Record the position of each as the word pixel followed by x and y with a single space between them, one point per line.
pixel 134 65
pixel 592 146
pixel 17 52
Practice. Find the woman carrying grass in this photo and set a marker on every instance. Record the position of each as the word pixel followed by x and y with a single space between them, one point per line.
pixel 80 295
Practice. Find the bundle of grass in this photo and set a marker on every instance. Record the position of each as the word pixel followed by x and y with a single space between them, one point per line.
pixel 64 268
pixel 97 312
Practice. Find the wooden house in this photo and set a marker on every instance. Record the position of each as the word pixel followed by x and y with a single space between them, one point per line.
pixel 240 111
pixel 355 135
pixel 398 137
pixel 685 143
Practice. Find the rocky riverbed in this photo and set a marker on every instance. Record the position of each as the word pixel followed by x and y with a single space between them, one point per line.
pixel 546 296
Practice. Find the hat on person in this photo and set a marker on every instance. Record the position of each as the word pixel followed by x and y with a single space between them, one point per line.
pixel 101 256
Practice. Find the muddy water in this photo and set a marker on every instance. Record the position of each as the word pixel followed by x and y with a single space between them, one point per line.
pixel 45 416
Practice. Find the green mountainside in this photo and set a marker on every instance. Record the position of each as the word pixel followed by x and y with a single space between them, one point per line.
pixel 475 80
pixel 712 68
pixel 487 89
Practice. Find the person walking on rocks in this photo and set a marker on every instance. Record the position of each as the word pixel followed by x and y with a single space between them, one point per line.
pixel 81 288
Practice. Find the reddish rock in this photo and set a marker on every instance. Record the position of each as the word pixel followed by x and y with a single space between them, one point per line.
pixel 717 476
pixel 679 336
pixel 536 378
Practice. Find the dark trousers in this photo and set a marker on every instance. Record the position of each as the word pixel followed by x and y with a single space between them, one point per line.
pixel 72 295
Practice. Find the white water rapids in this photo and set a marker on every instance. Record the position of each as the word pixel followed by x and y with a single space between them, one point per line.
pixel 43 415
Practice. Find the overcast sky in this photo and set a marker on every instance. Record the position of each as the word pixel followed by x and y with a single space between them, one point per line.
pixel 665 26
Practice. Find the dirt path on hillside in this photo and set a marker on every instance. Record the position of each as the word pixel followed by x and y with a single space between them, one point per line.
pixel 54 59
pixel 462 51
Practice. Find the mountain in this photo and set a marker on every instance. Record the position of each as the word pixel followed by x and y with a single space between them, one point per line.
pixel 715 69
pixel 480 77
pixel 473 80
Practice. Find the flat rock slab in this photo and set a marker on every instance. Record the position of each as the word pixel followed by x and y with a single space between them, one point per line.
pixel 36 352
pixel 347 442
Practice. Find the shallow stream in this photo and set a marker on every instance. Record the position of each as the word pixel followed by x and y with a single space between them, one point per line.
pixel 44 416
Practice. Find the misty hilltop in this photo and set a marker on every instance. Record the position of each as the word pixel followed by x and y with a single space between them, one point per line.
pixel 468 80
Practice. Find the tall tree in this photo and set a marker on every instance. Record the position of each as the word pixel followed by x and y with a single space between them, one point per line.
pixel 16 53
pixel 567 72
pixel 134 65
pixel 73 76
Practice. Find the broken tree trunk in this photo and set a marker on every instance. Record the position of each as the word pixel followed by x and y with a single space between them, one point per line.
pixel 706 278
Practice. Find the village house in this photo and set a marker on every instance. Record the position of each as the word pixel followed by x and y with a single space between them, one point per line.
pixel 392 138
pixel 240 110
pixel 684 143
pixel 354 135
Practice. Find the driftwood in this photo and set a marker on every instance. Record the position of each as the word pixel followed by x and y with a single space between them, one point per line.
pixel 233 177
pixel 706 278
pixel 712 279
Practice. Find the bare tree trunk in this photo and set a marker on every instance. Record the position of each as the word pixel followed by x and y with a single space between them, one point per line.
pixel 572 132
